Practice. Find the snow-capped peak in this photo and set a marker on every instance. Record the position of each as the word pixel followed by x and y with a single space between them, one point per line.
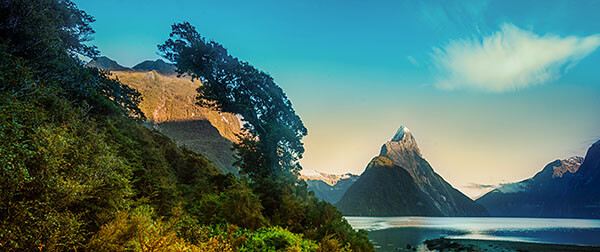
pixel 330 179
pixel 402 131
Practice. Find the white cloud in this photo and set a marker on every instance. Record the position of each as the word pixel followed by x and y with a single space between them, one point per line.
pixel 509 59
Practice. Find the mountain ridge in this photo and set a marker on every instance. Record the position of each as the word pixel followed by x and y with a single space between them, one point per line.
pixel 327 187
pixel 169 103
pixel 385 189
pixel 158 65
pixel 436 196
pixel 567 188
pixel 107 64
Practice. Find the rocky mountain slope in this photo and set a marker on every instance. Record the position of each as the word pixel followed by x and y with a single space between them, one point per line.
pixel 169 105
pixel 563 188
pixel 107 64
pixel 387 190
pixel 328 187
pixel 158 65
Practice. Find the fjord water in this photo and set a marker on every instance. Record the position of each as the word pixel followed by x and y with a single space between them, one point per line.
pixel 390 233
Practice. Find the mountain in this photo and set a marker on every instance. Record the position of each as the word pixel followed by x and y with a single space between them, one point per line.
pixel 169 104
pixel 107 64
pixel 563 188
pixel 385 189
pixel 327 187
pixel 158 65
pixel 583 197
pixel 536 196
pixel 401 182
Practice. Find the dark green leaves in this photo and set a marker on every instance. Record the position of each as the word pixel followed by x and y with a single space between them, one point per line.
pixel 272 140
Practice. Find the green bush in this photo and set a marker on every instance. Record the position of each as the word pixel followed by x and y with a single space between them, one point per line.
pixel 276 239
pixel 138 231
pixel 78 171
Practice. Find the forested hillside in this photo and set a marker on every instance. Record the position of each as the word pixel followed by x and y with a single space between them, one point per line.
pixel 78 172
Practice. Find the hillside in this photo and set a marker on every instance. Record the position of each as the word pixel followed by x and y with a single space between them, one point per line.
pixel 385 189
pixel 169 105
pixel 79 172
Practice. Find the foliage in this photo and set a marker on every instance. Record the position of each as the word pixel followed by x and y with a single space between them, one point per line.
pixel 272 141
pixel 276 239
pixel 137 231
pixel 64 28
pixel 235 204
pixel 270 146
pixel 59 178
pixel 78 172
pixel 49 36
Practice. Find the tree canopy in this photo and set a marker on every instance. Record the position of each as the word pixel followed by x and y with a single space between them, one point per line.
pixel 272 141
pixel 79 172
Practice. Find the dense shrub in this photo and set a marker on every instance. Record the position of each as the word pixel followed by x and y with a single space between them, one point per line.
pixel 78 171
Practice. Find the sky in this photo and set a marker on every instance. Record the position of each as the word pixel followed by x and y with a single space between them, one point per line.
pixel 491 90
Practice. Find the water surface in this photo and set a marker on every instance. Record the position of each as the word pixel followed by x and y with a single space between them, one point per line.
pixel 390 233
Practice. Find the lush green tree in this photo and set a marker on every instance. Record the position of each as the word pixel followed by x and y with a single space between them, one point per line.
pixel 50 35
pixel 39 29
pixel 271 143
pixel 270 146
pixel 79 172
pixel 60 179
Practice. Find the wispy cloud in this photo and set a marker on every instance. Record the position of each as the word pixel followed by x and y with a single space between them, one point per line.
pixel 510 59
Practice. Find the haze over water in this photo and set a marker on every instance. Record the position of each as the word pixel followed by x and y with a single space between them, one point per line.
pixel 389 233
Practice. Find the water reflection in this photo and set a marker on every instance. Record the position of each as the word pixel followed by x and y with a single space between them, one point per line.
pixel 390 233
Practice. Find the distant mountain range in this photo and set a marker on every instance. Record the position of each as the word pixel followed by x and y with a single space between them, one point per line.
pixel 158 65
pixel 107 64
pixel 401 182
pixel 169 104
pixel 327 187
pixel 563 188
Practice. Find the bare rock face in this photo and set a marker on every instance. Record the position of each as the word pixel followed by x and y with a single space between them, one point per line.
pixel 169 104
pixel 173 99
pixel 436 197
pixel 570 165
pixel 402 146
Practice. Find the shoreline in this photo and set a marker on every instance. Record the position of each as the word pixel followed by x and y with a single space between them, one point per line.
pixel 446 244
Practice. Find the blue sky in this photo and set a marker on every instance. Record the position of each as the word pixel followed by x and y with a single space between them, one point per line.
pixel 492 90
